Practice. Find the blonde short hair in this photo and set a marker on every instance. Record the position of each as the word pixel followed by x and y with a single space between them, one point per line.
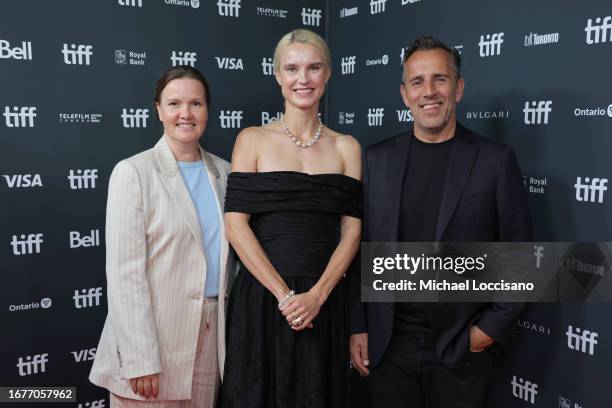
pixel 302 36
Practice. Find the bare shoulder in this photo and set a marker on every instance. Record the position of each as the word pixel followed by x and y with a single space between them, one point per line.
pixel 347 145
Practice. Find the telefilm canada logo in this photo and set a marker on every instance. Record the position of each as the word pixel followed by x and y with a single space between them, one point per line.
pixel 129 57
pixel 44 303
pixel 80 117
pixel 272 12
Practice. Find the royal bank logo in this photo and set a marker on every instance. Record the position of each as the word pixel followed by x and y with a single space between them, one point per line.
pixel 85 298
pixel 384 60
pixel 80 117
pixel 272 12
pixel 591 190
pixel 538 253
pixel 498 114
pixel 600 32
pixel 22 180
pixel 88 240
pixel 77 54
pixel 533 327
pixel 183 58
pixel 375 116
pixel 537 112
pixel 23 52
pixel 347 12
pixel 524 390
pixel 125 57
pixel 229 8
pixel 30 365
pixel 347 65
pixel 377 6
pixel 82 179
pixel 535 185
pixel 346 118
pixel 267 118
pixel 134 118
pixel 93 404
pixel 490 44
pixel 185 3
pixel 44 303
pixel 19 116
pixel 228 63
pixel 541 39
pixel 404 116
pixel 229 119
pixel 267 67
pixel 131 3
pixel 581 340
pixel 27 244
pixel 311 17
pixel 604 111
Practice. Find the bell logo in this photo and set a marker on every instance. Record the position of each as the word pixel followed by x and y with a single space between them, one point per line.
pixel 348 65
pixel 602 32
pixel 404 115
pixel 82 179
pixel 524 390
pixel 229 8
pixel 377 6
pixel 581 340
pixel 77 55
pixel 132 3
pixel 491 44
pixel 23 180
pixel 311 17
pixel 537 113
pixel 267 66
pixel 93 404
pixel 229 63
pixel 375 116
pixel 27 245
pixel 230 119
pixel 84 355
pixel 135 118
pixel 19 53
pixel 267 118
pixel 592 190
pixel 86 241
pixel 87 297
pixel 183 58
pixel 19 116
pixel 32 364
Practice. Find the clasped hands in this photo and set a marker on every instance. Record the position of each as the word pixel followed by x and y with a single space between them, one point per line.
pixel 146 386
pixel 301 309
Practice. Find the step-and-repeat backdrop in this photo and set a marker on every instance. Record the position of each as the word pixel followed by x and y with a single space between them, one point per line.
pixel 77 86
pixel 538 77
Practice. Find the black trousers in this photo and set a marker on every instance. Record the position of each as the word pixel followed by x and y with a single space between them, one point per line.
pixel 410 376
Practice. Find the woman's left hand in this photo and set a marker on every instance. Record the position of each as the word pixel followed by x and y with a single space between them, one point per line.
pixel 301 309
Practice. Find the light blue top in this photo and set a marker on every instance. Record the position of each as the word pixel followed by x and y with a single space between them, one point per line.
pixel 196 178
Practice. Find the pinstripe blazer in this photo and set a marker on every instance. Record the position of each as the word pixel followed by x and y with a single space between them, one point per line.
pixel 155 270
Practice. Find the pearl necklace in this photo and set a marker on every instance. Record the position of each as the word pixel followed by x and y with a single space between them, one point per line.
pixel 310 143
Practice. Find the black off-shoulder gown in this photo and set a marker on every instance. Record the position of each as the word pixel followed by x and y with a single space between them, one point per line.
pixel 296 218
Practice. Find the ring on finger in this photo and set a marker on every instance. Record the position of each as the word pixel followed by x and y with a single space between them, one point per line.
pixel 297 321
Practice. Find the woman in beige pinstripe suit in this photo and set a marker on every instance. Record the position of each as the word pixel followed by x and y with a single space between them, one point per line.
pixel 167 260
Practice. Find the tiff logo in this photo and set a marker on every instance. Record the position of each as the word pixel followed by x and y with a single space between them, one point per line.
pixel 592 192
pixel 84 355
pixel 183 58
pixel 537 114
pixel 87 298
pixel 83 179
pixel 23 53
pixel 375 116
pixel 94 404
pixel 491 44
pixel 377 6
pixel 77 55
pixel 27 245
pixel 229 8
pixel 580 341
pixel 267 66
pixel 20 116
pixel 133 3
pixel 32 364
pixel 230 119
pixel 91 240
pixel 524 390
pixel 539 254
pixel 348 65
pixel 311 17
pixel 136 118
pixel 23 180
pixel 605 29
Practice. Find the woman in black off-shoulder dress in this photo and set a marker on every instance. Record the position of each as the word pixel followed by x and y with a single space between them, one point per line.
pixel 293 213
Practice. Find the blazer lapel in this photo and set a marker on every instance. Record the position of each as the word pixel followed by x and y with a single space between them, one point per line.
pixel 172 180
pixel 397 158
pixel 463 154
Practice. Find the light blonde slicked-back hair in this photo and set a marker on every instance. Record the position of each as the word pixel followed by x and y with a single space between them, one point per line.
pixel 304 37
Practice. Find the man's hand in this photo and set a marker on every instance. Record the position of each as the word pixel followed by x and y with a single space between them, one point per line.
pixel 479 340
pixel 147 386
pixel 359 353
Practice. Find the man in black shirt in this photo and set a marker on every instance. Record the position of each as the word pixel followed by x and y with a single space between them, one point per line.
pixel 440 182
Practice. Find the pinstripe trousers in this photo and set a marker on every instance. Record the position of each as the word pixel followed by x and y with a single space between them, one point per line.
pixel 206 380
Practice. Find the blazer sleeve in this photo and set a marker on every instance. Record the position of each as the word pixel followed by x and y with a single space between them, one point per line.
pixel 129 295
pixel 514 225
